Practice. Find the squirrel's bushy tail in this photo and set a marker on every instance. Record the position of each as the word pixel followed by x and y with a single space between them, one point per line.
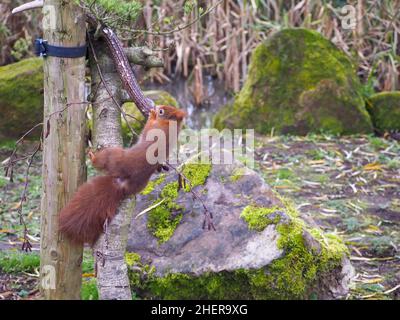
pixel 82 219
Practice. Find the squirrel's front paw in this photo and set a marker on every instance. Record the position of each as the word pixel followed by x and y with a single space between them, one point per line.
pixel 91 156
pixel 162 167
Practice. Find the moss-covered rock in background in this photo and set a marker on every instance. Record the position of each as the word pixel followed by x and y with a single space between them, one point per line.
pixel 137 120
pixel 384 108
pixel 21 97
pixel 261 249
pixel 298 82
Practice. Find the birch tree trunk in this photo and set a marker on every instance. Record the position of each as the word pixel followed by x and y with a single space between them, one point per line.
pixel 64 148
pixel 109 251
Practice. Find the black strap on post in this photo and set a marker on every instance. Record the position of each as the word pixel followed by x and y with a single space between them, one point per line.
pixel 43 49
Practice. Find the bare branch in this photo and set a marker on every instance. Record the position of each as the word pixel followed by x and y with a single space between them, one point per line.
pixel 143 56
pixel 122 65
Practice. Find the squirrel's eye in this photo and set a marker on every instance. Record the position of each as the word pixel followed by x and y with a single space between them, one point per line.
pixel 161 112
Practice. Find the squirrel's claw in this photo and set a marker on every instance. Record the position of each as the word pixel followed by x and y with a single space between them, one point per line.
pixel 91 155
pixel 162 167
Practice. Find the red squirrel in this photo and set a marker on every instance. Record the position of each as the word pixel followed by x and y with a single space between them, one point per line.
pixel 127 172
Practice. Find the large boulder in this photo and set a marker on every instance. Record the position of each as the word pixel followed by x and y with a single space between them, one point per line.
pixel 298 82
pixel 384 108
pixel 261 249
pixel 21 97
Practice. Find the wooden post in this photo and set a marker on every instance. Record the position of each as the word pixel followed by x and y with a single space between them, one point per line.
pixel 64 148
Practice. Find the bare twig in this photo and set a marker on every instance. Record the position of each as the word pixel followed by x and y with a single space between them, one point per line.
pixel 177 29
pixel 207 213
pixel 149 208
pixel 26 245
pixel 9 169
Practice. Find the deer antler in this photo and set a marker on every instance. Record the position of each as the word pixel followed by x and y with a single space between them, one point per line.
pixel 28 6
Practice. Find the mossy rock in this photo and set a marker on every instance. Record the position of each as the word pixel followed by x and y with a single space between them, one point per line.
pixel 165 217
pixel 137 120
pixel 262 247
pixel 21 98
pixel 298 82
pixel 384 108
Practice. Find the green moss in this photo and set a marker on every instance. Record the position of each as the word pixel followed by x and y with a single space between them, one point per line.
pixel 21 97
pixel 161 220
pixel 164 219
pixel 295 273
pixel 237 174
pixel 161 98
pixel 384 108
pixel 152 184
pixel 196 173
pixel 164 226
pixel 132 258
pixel 258 218
pixel 223 285
pixel 298 82
pixel 138 279
pixel 12 261
pixel 294 276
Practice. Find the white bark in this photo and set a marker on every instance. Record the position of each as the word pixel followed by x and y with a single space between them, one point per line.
pixel 109 251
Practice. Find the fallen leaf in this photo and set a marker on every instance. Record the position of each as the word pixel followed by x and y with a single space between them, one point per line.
pixel 375 166
pixel 88 275
pixel 6 231
pixel 16 206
